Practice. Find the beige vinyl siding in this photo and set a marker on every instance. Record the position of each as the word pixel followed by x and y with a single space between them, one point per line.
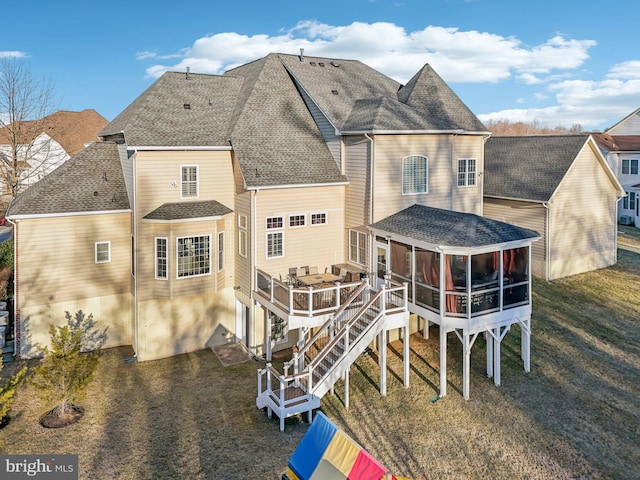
pixel 170 327
pixel 388 155
pixel 467 199
pixel 327 130
pixel 314 245
pixel 64 276
pixel 357 170
pixel 583 219
pixel 156 172
pixel 527 215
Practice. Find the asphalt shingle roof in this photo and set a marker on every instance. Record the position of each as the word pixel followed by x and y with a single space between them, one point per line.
pixel 188 210
pixel 529 167
pixel 440 227
pixel 90 181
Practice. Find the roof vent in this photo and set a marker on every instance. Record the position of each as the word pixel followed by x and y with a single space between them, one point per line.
pixel 335 92
pixel 313 64
pixel 188 71
pixel 301 54
pixel 187 106
pixel 321 64
pixel 104 177
pixel 334 63
pixel 95 193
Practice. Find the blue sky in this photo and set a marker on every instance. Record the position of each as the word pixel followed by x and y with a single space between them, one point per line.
pixel 555 62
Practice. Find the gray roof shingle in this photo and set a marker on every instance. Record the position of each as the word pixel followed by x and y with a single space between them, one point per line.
pixel 439 227
pixel 90 181
pixel 188 210
pixel 529 167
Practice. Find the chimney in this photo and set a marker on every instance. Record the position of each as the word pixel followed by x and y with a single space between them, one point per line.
pixel 302 54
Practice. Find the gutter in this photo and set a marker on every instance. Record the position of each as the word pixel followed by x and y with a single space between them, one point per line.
pixel 547 241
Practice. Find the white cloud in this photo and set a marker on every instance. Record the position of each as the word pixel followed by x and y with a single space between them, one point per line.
pixel 12 54
pixel 590 103
pixel 458 56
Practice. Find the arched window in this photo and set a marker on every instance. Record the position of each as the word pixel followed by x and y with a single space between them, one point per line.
pixel 415 174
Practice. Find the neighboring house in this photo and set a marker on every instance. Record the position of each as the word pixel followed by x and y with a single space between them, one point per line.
pixel 48 142
pixel 212 200
pixel 562 187
pixel 620 145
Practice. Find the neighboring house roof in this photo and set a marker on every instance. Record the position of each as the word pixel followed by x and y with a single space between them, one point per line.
pixel 179 109
pixel 632 114
pixel 528 167
pixel 72 130
pixel 617 143
pixel 91 181
pixel 355 97
pixel 188 210
pixel 440 227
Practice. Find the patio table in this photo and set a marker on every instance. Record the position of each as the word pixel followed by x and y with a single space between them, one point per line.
pixel 317 278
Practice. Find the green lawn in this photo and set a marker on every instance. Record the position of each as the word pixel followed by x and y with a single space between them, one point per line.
pixel 575 415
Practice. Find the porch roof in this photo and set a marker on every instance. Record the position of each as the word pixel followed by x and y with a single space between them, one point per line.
pixel 447 228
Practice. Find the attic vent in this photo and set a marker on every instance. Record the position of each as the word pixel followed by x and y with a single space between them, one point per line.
pixel 321 64
pixel 187 106
pixel 104 177
pixel 335 64
pixel 313 64
pixel 95 193
pixel 335 92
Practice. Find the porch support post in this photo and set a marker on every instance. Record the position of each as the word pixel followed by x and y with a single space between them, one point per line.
pixel 267 320
pixel 405 356
pixel 525 342
pixel 382 352
pixel 496 354
pixel 425 329
pixel 443 361
pixel 466 364
pixel 489 342
pixel 346 388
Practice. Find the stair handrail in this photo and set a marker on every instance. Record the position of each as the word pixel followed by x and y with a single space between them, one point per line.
pixel 326 326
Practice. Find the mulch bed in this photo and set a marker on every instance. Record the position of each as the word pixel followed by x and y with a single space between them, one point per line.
pixel 53 419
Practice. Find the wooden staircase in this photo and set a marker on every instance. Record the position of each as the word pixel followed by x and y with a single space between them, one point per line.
pixel 329 354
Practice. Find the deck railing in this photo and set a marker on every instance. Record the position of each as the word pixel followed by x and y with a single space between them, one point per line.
pixel 303 301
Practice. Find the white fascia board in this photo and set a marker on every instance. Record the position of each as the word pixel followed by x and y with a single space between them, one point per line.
pixel 66 214
pixel 516 199
pixel 190 148
pixel 305 185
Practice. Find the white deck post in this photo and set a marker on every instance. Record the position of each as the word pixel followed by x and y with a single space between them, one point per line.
pixel 466 364
pixel 405 356
pixel 425 329
pixel 443 361
pixel 525 332
pixel 346 388
pixel 382 351
pixel 489 342
pixel 496 356
pixel 268 340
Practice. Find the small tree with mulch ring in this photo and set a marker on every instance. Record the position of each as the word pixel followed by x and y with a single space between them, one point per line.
pixel 67 368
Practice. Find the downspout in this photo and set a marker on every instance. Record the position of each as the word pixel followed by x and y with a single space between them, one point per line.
pixel 134 258
pixel 253 270
pixel 547 240
pixel 16 317
pixel 372 256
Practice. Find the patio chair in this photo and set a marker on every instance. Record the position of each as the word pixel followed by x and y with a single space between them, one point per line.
pixel 293 271
pixel 313 270
pixel 301 272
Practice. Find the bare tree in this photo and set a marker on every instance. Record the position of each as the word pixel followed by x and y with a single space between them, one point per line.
pixel 506 127
pixel 25 102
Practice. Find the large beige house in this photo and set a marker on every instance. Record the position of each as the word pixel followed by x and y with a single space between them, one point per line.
pixel 262 205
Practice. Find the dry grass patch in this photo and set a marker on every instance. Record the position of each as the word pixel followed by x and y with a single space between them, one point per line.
pixel 575 415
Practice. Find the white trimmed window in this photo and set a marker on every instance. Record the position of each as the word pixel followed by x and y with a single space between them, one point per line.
pixel 358 247
pixel 194 256
pixel 161 253
pixel 275 245
pixel 629 202
pixel 103 252
pixel 297 221
pixel 415 174
pixel 466 172
pixel 275 222
pixel 189 181
pixel 319 218
pixel 220 251
pixel 242 235
pixel 629 166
